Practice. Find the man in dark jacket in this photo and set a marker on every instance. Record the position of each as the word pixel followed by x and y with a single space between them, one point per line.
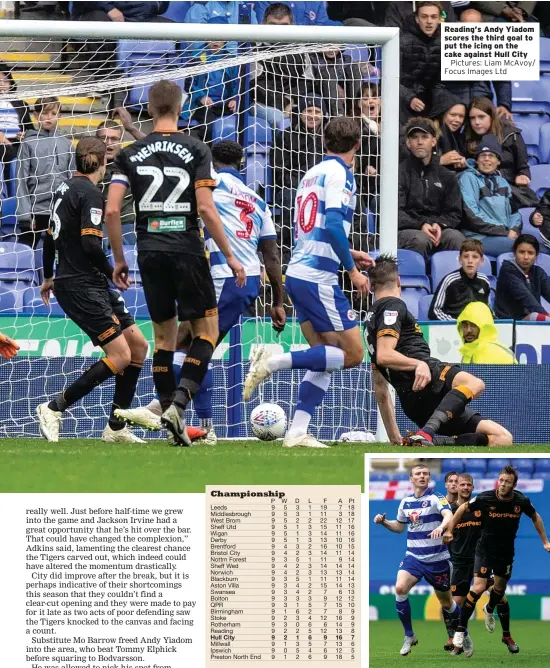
pixel 295 150
pixel 420 61
pixel 430 206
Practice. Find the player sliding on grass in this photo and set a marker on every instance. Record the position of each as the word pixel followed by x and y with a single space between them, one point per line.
pixel 170 176
pixel 500 511
pixel 82 290
pixel 462 548
pixel 249 228
pixel 426 516
pixel 434 395
pixel 325 204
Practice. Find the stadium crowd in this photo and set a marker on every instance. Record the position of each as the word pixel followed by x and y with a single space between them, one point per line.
pixel 464 172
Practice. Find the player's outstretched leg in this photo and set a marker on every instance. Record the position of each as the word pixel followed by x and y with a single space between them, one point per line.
pixel 467 611
pixel 50 413
pixel 318 358
pixel 117 430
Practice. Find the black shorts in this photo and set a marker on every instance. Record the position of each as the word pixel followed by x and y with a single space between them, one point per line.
pixel 461 578
pixel 419 406
pixel 177 284
pixel 99 312
pixel 487 565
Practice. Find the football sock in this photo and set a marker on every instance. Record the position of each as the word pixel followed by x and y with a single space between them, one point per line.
pixel 202 401
pixel 179 356
pixel 452 406
pixel 495 598
pixel 163 376
pixel 472 439
pixel 503 609
pixel 125 388
pixel 468 608
pixel 193 370
pixel 404 611
pixel 454 614
pixel 313 388
pixel 318 358
pixel 82 386
pixel 450 630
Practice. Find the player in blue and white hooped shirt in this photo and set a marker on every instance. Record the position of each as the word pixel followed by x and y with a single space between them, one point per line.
pixel 249 228
pixel 325 204
pixel 425 514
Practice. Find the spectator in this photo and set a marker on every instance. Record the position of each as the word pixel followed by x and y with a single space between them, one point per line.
pixel 338 79
pixel 232 12
pixel 479 335
pixel 281 82
pixel 516 12
pixel 295 150
pixel 15 119
pixel 541 218
pixel 420 61
pixel 463 286
pixel 482 120
pixel 488 212
pixel 430 207
pixel 521 284
pixel 46 159
pixel 110 132
pixel 448 116
pixel 304 13
pixel 401 14
pixel 214 93
pixel 367 112
pixel 102 52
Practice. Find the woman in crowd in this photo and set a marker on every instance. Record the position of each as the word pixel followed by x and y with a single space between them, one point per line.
pixel 487 200
pixel 521 284
pixel 367 113
pixel 483 119
pixel 448 116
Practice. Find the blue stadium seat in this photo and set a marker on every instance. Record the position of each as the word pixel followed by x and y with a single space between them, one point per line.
pixel 424 307
pixel 530 126
pixel 9 219
pixel 411 297
pixel 453 465
pixel 544 475
pixel 134 53
pixel 544 54
pixel 258 173
pixel 542 260
pixel 225 128
pixel 444 262
pixel 134 299
pixel 130 255
pixel 530 96
pixel 33 304
pixel 400 475
pixel 412 269
pixel 524 465
pixel 377 476
pixel 9 299
pixel 544 143
pixel 540 178
pixel 542 464
pixel 17 263
pixel 258 135
pixel 177 11
pixel 494 465
pixel 476 466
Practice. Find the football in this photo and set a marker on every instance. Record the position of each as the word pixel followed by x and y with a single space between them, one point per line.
pixel 268 422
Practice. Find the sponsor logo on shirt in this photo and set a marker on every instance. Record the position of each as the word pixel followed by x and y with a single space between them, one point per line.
pixel 390 317
pixel 96 215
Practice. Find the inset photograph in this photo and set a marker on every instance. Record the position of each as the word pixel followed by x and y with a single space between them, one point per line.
pixel 459 558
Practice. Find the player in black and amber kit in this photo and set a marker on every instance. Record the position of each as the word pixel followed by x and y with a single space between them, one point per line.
pixel 82 290
pixel 433 394
pixel 501 510
pixel 170 175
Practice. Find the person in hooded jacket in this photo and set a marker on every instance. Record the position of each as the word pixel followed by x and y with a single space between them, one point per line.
pixel 480 344
pixel 482 119
pixel 448 114
pixel 489 214
pixel 521 283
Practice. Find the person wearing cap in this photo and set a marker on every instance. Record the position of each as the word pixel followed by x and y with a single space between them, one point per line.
pixel 430 207
pixel 295 150
pixel 488 212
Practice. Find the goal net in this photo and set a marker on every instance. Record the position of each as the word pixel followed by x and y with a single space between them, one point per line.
pixel 271 97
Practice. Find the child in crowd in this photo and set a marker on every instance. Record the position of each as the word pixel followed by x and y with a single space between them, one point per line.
pixel 521 284
pixel 46 159
pixel 461 287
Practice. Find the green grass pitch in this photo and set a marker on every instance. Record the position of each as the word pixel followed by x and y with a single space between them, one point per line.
pixel 386 638
pixel 83 465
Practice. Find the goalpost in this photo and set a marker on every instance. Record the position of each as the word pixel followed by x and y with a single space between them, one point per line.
pixel 89 66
